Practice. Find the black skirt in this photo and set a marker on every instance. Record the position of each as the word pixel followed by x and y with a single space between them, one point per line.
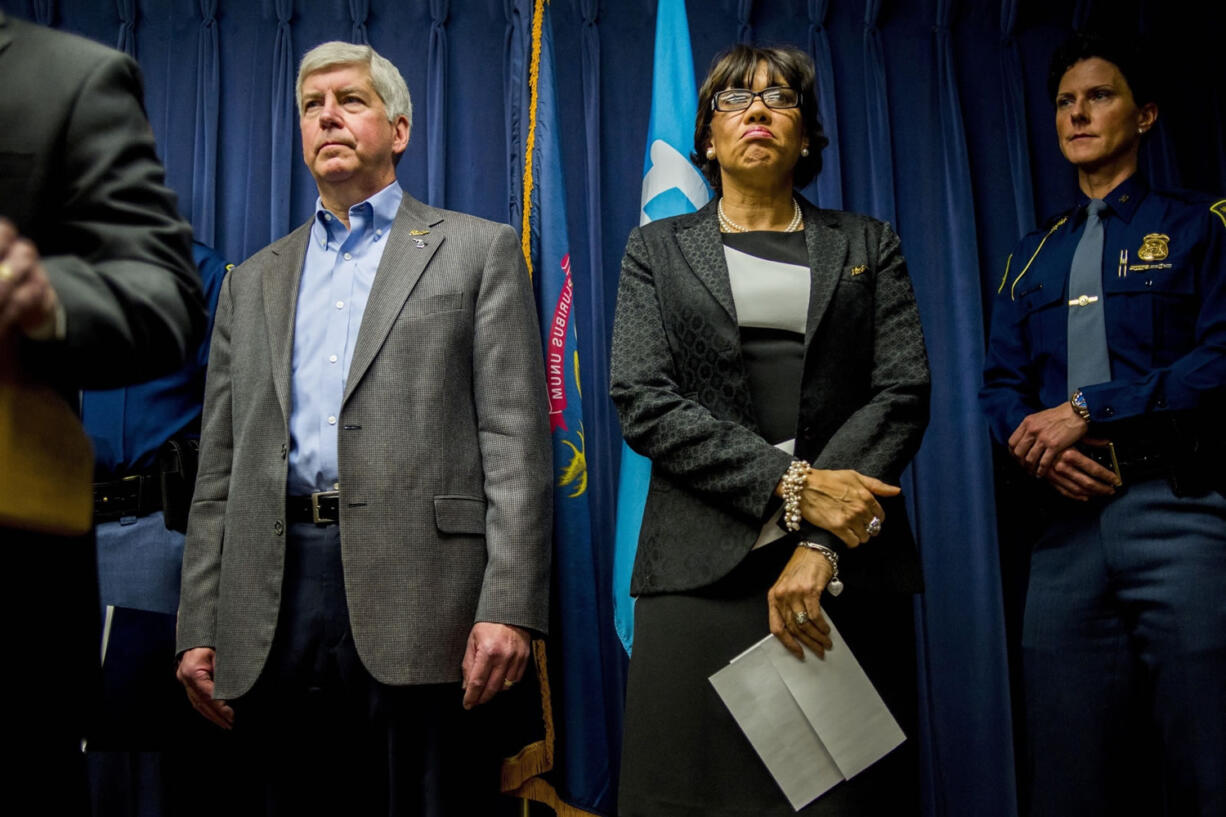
pixel 684 755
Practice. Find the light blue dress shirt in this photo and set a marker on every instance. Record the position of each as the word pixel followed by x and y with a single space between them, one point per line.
pixel 337 274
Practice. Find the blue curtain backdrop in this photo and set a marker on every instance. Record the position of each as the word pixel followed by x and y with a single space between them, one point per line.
pixel 943 126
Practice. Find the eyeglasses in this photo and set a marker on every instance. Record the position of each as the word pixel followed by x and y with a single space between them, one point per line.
pixel 777 97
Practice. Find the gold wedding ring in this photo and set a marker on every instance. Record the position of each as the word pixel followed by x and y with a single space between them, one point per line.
pixel 507 683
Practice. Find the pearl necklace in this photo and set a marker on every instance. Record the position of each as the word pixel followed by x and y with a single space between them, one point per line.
pixel 729 226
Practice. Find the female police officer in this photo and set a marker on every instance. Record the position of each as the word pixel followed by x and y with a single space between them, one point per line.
pixel 1105 378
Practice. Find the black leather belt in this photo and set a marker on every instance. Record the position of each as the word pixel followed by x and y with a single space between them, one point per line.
pixel 135 495
pixel 1131 461
pixel 319 508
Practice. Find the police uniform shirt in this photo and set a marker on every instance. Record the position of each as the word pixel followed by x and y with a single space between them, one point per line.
pixel 129 425
pixel 1164 295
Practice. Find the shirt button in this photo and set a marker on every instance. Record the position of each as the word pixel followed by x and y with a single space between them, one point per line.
pixel 327 216
pixel 348 257
pixel 378 232
pixel 331 421
pixel 1108 411
pixel 340 304
pixel 331 358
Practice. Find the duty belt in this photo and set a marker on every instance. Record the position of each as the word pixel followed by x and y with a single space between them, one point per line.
pixel 135 495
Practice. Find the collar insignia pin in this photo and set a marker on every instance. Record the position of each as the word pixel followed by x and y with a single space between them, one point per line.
pixel 1154 247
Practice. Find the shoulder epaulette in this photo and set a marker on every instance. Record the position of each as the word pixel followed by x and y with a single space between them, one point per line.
pixel 1053 221
pixel 1218 208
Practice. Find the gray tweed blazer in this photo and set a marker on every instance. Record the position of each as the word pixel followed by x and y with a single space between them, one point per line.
pixel 444 455
pixel 679 383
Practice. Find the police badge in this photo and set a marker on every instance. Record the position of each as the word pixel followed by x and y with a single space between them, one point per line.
pixel 1154 247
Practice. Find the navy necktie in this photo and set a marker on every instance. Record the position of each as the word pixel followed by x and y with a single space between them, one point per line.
pixel 1088 360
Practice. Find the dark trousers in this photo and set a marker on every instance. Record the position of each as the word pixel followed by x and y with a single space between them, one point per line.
pixel 327 738
pixel 1124 650
pixel 49 606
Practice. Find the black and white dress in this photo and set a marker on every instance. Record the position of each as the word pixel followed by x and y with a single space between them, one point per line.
pixel 683 754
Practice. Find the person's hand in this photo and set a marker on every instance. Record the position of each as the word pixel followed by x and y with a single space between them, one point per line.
pixel 27 300
pixel 844 503
pixel 494 660
pixel 1044 435
pixel 196 675
pixel 794 603
pixel 1078 477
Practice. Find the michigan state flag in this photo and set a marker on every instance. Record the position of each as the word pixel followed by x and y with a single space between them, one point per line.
pixel 672 185
pixel 574 773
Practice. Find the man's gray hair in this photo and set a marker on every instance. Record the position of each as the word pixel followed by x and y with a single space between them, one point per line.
pixel 387 80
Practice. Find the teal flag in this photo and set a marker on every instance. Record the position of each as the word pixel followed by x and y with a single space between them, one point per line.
pixel 672 185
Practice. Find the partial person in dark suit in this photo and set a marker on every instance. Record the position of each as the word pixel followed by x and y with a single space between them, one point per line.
pixel 370 524
pixel 1106 380
pixel 97 290
pixel 768 359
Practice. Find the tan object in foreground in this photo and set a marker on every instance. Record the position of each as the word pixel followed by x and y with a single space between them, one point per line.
pixel 46 462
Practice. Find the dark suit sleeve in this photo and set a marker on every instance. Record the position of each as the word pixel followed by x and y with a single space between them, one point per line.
pixel 718 459
pixel 513 434
pixel 201 578
pixel 116 250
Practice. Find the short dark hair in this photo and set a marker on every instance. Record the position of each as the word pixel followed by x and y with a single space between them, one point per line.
pixel 1122 52
pixel 735 67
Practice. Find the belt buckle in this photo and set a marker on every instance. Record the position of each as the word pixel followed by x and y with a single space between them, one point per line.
pixel 1115 465
pixel 315 497
pixel 140 489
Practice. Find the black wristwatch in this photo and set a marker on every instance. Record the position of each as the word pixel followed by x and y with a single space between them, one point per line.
pixel 1078 402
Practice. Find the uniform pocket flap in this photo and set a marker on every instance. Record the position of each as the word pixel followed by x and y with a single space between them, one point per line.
pixel 460 514
pixel 1039 297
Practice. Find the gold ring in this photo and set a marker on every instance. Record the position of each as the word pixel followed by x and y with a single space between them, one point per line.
pixel 507 683
pixel 6 272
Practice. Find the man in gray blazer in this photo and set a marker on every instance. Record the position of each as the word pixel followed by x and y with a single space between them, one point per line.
pixel 370 525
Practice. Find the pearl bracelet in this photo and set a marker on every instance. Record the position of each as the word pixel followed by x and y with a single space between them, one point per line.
pixel 835 586
pixel 793 483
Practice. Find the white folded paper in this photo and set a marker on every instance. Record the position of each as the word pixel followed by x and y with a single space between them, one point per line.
pixel 815 723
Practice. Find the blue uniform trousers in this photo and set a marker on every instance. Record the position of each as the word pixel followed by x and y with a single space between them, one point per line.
pixel 1124 650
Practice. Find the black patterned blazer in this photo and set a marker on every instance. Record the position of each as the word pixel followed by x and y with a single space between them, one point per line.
pixel 678 380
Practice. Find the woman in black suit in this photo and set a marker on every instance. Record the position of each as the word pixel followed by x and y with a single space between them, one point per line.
pixel 768 359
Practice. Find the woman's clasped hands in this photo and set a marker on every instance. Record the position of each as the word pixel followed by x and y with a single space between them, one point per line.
pixel 844 503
